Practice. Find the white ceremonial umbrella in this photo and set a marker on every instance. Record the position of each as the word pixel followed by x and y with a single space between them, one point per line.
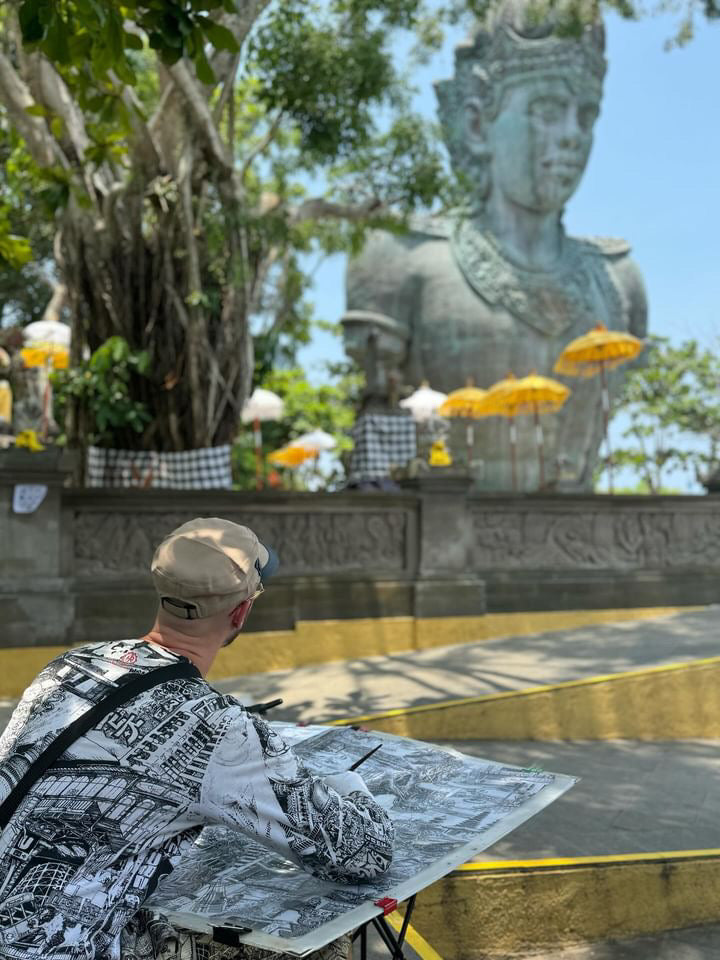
pixel 317 440
pixel 261 405
pixel 47 331
pixel 424 402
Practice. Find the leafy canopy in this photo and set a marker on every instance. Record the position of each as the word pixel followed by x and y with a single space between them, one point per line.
pixel 672 403
pixel 102 388
pixel 94 37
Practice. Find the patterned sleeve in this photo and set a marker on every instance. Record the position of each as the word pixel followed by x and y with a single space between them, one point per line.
pixel 254 783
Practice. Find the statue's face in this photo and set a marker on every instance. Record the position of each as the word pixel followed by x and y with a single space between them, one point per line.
pixel 540 142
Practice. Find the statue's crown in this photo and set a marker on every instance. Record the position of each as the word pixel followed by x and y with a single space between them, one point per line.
pixel 518 40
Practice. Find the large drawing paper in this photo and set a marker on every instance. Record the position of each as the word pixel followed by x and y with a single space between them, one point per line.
pixel 447 807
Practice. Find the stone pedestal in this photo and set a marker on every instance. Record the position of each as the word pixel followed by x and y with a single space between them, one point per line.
pixel 446 584
pixel 36 604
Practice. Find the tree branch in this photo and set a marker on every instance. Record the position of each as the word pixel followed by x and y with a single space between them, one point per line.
pixel 147 146
pixel 16 97
pixel 318 208
pixel 201 114
pixel 51 91
pixel 239 24
pixel 227 90
pixel 194 340
pixel 262 145
pixel 56 303
pixel 156 120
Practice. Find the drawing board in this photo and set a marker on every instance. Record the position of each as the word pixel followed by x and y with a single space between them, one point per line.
pixel 447 807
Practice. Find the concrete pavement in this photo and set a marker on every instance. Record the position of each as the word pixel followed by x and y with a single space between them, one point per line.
pixel 632 797
pixel 372 684
pixel 693 943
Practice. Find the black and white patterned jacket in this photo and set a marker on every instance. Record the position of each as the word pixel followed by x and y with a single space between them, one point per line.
pixel 96 833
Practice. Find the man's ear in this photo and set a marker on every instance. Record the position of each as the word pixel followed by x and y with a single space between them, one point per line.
pixel 239 614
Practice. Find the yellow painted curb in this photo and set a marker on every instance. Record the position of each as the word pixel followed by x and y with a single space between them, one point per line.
pixel 672 702
pixel 322 641
pixel 481 911
pixel 502 866
pixel 419 944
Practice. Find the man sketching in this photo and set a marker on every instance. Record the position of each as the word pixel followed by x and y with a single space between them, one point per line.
pixel 87 842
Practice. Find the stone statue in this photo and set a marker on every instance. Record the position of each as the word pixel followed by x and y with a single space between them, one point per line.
pixel 499 286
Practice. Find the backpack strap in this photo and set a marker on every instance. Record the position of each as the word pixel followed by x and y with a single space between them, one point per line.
pixel 127 690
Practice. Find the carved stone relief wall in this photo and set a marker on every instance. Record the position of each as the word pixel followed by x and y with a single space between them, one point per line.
pixel 623 538
pixel 308 542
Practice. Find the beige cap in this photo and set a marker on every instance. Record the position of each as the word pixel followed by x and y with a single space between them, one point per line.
pixel 209 565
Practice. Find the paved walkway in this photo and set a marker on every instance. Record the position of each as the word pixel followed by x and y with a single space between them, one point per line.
pixel 373 684
pixel 695 943
pixel 632 797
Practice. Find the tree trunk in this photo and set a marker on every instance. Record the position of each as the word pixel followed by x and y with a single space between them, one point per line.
pixel 155 248
pixel 147 271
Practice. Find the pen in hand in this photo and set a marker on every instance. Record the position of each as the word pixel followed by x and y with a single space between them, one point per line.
pixel 364 758
pixel 263 707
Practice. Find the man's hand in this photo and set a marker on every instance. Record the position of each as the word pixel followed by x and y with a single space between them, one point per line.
pixel 346 783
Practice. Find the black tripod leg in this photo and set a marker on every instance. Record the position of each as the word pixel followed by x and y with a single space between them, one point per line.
pixel 406 923
pixel 380 924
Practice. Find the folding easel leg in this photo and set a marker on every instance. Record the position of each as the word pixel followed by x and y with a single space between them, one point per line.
pixel 388 937
pixel 403 930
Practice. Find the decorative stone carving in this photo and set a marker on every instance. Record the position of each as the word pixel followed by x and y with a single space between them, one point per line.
pixel 499 286
pixel 627 539
pixel 307 543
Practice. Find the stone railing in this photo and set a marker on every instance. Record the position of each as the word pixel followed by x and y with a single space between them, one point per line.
pixel 77 568
pixel 575 551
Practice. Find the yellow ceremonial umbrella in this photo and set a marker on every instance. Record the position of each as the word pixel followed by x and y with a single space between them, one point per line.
pixel 466 402
pixel 534 395
pixel 6 402
pixel 596 352
pixel 46 354
pixel 46 344
pixel 291 456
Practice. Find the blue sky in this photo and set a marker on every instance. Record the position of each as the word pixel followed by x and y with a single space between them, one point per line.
pixel 653 178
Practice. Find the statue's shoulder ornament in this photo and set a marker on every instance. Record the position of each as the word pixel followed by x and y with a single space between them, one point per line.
pixel 605 246
pixel 437 227
pixel 552 300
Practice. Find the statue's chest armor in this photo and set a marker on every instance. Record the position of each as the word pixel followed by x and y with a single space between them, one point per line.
pixel 576 294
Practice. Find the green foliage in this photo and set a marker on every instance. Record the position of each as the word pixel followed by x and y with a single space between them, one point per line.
pixel 325 79
pixel 102 385
pixel 319 108
pixel 89 39
pixel 26 231
pixel 330 407
pixel 673 404
pixel 15 251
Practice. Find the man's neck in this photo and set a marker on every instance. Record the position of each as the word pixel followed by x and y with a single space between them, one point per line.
pixel 200 652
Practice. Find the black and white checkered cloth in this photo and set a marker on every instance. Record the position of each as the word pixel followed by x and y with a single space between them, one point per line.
pixel 382 441
pixel 204 469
